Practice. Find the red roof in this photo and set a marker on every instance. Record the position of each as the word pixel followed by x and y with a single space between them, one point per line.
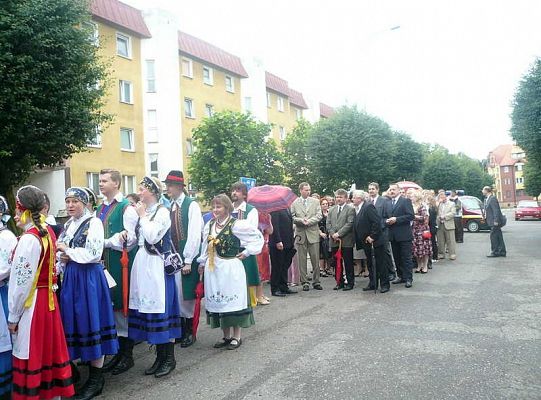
pixel 121 15
pixel 297 99
pixel 277 84
pixel 207 52
pixel 502 155
pixel 325 110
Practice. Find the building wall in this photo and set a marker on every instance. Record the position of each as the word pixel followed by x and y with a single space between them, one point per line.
pixel 507 195
pixel 278 118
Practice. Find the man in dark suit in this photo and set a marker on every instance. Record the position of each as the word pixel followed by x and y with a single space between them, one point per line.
pixel 401 234
pixel 340 229
pixel 383 207
pixel 281 249
pixel 495 219
pixel 369 236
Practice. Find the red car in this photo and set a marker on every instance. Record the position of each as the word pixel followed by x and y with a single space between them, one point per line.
pixel 527 209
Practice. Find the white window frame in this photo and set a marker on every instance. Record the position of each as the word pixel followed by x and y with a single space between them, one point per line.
pixel 151 77
pixel 91 183
pixel 269 100
pixel 122 91
pixel 187 100
pixel 189 147
pixel 152 126
pixel 126 184
pixel 131 136
pixel 280 103
pixel 505 169
pixel 153 172
pixel 189 62
pixel 94 37
pixel 230 88
pixel 209 110
pixel 123 36
pixel 210 80
pixel 96 142
pixel 282 132
pixel 248 104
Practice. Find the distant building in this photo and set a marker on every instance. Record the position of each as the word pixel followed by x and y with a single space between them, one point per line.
pixel 506 164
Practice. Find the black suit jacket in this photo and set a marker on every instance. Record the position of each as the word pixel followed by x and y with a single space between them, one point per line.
pixel 368 223
pixel 401 230
pixel 282 223
pixel 493 213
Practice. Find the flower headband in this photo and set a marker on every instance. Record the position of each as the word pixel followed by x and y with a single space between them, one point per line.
pixel 150 185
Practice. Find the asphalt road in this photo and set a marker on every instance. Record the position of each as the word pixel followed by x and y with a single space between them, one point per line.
pixel 469 329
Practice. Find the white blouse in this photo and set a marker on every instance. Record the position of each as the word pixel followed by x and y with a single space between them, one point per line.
pixel 153 231
pixel 8 242
pixel 93 249
pixel 195 225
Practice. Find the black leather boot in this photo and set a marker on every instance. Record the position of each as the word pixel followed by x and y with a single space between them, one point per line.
pixel 126 357
pixel 183 329
pixel 160 358
pixel 187 333
pixel 113 361
pixel 93 387
pixel 169 364
pixel 75 375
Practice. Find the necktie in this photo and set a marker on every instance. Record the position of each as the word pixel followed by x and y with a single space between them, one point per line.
pixel 304 201
pixel 339 209
pixel 394 202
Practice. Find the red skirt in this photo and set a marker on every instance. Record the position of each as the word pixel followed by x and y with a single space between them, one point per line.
pixel 263 262
pixel 47 372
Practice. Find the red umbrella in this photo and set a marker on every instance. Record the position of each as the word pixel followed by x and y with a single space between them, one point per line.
pixel 338 256
pixel 199 293
pixel 269 198
pixel 124 260
pixel 408 185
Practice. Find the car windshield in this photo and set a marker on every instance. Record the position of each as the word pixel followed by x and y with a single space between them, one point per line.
pixel 470 203
pixel 524 204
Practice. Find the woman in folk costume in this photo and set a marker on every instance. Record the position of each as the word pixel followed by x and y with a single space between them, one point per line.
pixel 85 303
pixel 154 309
pixel 41 368
pixel 8 242
pixel 226 242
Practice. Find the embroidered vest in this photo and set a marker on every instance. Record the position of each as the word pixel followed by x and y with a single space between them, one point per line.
pixel 79 238
pixel 182 237
pixel 228 245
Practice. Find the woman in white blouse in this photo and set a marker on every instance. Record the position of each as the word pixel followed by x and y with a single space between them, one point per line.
pixel 154 308
pixel 85 302
pixel 226 242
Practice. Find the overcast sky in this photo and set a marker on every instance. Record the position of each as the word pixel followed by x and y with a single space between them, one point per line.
pixel 446 76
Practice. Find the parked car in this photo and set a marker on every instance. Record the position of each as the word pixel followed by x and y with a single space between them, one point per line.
pixel 527 209
pixel 473 218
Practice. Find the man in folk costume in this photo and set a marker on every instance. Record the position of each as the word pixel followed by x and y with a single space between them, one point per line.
pixel 119 221
pixel 245 211
pixel 186 228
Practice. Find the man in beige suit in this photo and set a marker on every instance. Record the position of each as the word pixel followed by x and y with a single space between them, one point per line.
pixel 306 213
pixel 446 227
pixel 340 228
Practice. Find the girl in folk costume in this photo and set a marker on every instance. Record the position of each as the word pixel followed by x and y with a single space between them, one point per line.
pixel 41 368
pixel 154 309
pixel 85 303
pixel 226 242
pixel 8 242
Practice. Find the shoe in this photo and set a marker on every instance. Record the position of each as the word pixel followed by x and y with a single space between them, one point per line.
pixel 278 294
pixel 93 386
pixel 424 271
pixel 317 286
pixel 169 363
pixel 289 291
pixel 347 287
pixel 441 257
pixel 409 284
pixel 266 298
pixel 113 361
pixel 187 334
pixel 160 356
pixel 305 287
pixel 126 356
pixel 392 277
pixel 338 287
pixel 385 289
pixel 323 274
pixel 261 301
pixel 417 271
pixel 491 255
pixel 398 281
pixel 430 266
pixel 222 343
pixel 503 255
pixel 452 257
pixel 234 344
pixel 368 288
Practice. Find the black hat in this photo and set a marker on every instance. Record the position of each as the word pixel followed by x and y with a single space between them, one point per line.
pixel 175 176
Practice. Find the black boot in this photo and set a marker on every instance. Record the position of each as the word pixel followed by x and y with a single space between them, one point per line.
pixel 93 387
pixel 183 329
pixel 126 356
pixel 160 358
pixel 113 361
pixel 187 333
pixel 169 364
pixel 75 375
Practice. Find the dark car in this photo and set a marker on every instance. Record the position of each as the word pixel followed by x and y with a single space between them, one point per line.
pixel 473 214
pixel 527 209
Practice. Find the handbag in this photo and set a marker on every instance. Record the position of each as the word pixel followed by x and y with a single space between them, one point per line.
pixel 426 235
pixel 172 262
pixel 503 220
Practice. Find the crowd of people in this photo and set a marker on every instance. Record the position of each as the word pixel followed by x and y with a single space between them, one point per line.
pixel 127 270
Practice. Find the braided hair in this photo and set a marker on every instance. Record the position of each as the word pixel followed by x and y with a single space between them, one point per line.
pixel 33 199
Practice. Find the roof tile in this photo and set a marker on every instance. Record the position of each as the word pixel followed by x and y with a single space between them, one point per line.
pixel 297 99
pixel 277 84
pixel 325 110
pixel 121 15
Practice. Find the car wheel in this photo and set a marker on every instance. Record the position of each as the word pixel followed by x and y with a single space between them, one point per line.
pixel 473 226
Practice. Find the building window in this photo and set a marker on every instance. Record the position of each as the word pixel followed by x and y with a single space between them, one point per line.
pixel 248 104
pixel 280 103
pixel 126 139
pixel 189 147
pixel 123 45
pixel 126 92
pixel 208 76
pixel 93 181
pixel 96 140
pixel 505 169
pixel 153 159
pixel 93 35
pixel 188 108
pixel 151 77
pixel 519 167
pixel 507 194
pixel 152 126
pixel 298 114
pixel 209 110
pixel 229 84
pixel 187 67
pixel 269 100
pixel 520 180
pixel 282 133
pixel 129 184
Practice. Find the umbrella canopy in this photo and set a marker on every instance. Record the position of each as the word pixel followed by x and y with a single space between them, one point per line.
pixel 199 293
pixel 408 185
pixel 269 198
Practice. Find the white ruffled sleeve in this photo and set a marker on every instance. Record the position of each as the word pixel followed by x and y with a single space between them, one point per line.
pixel 154 230
pixel 129 220
pixel 8 242
pixel 193 240
pixel 93 249
pixel 250 238
pixel 202 259
pixel 23 269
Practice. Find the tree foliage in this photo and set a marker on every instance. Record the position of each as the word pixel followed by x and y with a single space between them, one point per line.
pixel 532 176
pixel 230 145
pixel 50 103
pixel 296 155
pixel 408 158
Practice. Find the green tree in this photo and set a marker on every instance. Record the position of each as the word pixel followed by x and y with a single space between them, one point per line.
pixel 295 155
pixel 50 97
pixel 230 145
pixel 442 170
pixel 526 123
pixel 474 175
pixel 532 176
pixel 408 157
